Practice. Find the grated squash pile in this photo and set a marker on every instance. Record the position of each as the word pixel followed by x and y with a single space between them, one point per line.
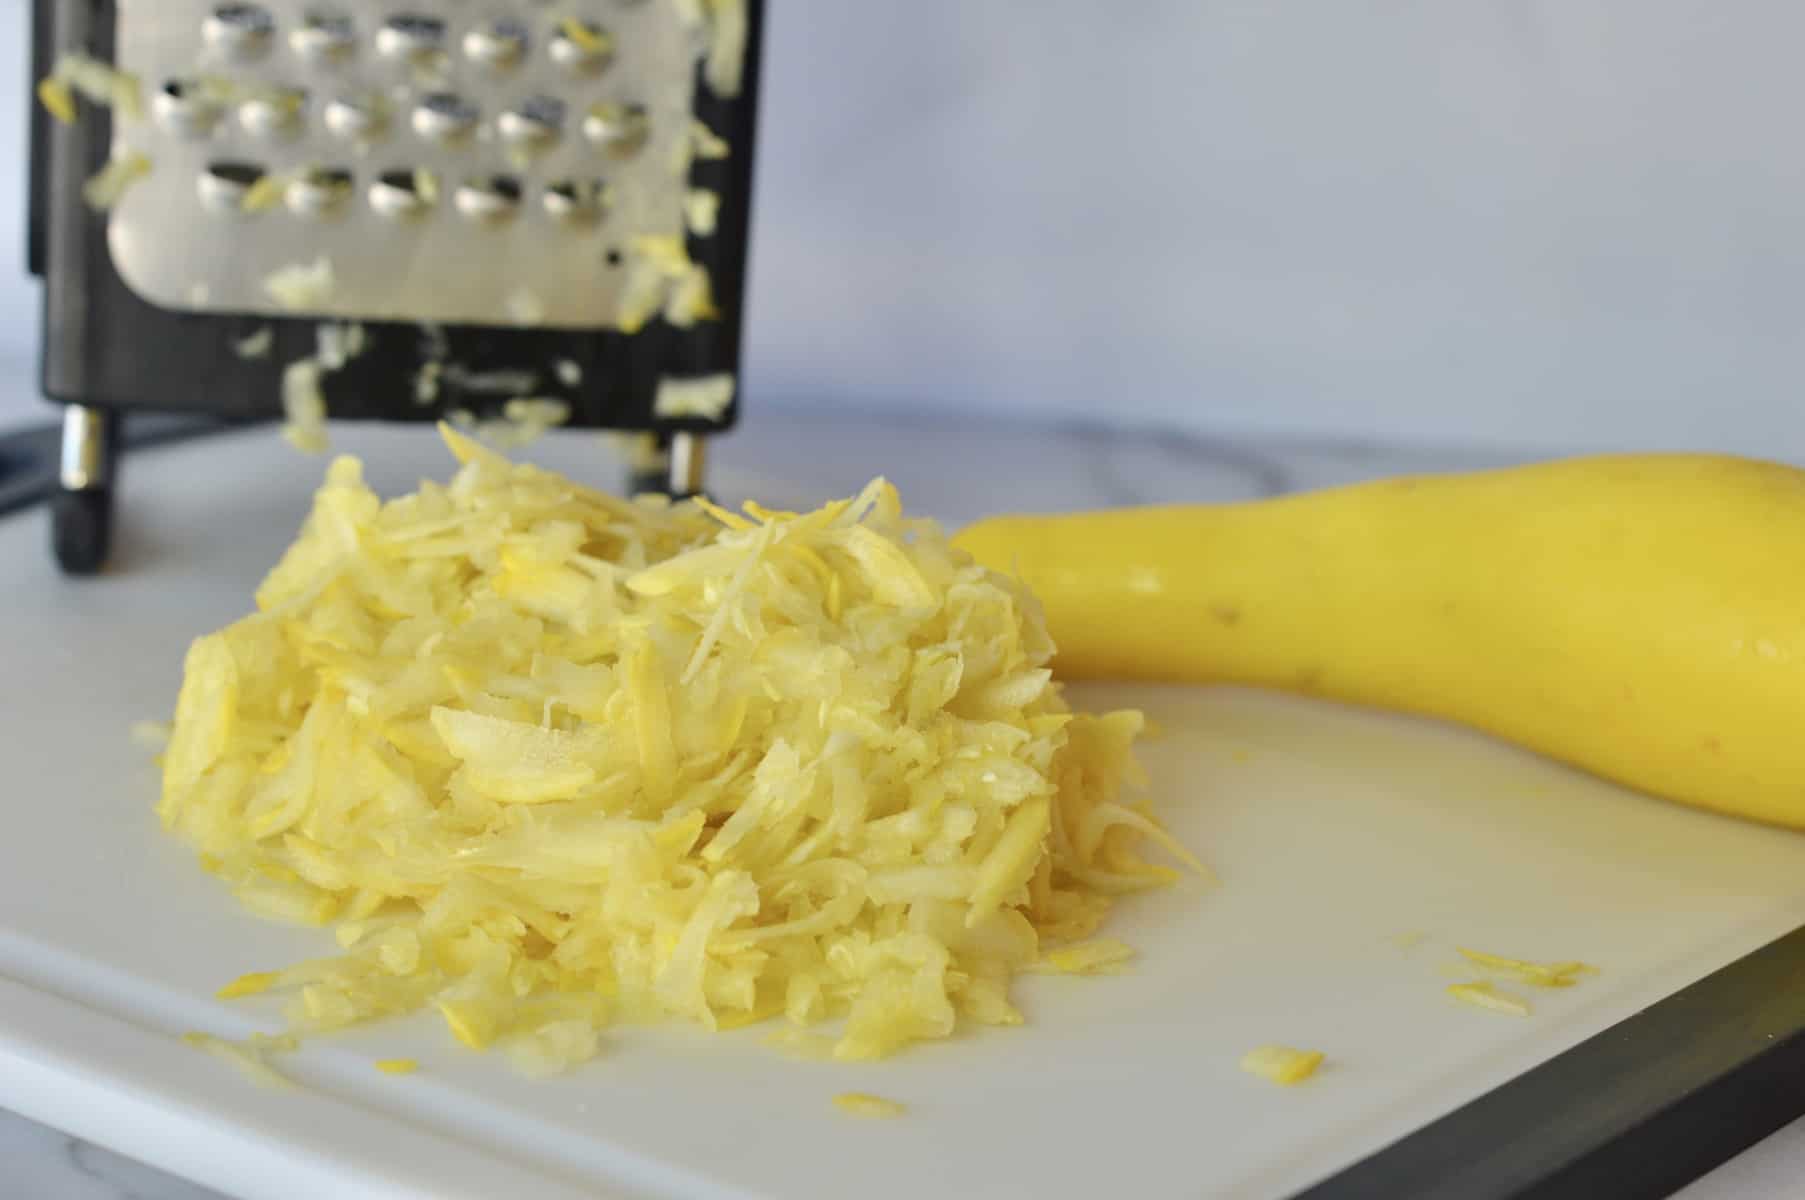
pixel 549 759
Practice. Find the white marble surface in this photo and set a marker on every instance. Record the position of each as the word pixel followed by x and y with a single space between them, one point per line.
pixel 956 473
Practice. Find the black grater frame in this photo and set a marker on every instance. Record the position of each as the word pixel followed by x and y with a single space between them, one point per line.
pixel 106 349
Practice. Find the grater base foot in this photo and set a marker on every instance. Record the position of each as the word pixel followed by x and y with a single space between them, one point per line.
pixel 81 508
pixel 676 466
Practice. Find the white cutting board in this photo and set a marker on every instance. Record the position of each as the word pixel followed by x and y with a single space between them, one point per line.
pixel 1334 831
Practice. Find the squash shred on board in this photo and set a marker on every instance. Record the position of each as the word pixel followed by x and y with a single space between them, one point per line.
pixel 862 1104
pixel 1281 1064
pixel 1546 975
pixel 1485 995
pixel 548 759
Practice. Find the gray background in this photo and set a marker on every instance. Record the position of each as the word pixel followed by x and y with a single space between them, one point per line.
pixel 1547 222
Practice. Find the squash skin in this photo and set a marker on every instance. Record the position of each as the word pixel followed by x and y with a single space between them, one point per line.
pixel 1638 616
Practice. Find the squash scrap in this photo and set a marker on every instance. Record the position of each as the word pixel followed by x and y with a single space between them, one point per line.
pixel 250 1056
pixel 661 279
pixel 253 984
pixel 1281 1064
pixel 863 1104
pixel 96 81
pixel 701 211
pixel 707 397
pixel 1484 995
pixel 1547 975
pixel 58 99
pixel 550 759
pixel 300 286
pixel 1104 956
pixel 583 37
pixel 109 185
pixel 705 144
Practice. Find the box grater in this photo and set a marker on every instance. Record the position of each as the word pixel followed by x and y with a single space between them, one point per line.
pixel 399 209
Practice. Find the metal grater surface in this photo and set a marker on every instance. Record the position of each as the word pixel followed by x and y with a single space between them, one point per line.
pixel 458 162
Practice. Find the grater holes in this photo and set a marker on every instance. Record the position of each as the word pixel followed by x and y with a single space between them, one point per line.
pixel 402 193
pixel 445 117
pixel 580 192
pixel 619 129
pixel 356 118
pixel 498 44
pixel 489 198
pixel 223 185
pixel 187 108
pixel 240 31
pixel 411 38
pixel 324 37
pixel 576 201
pixel 273 112
pixel 318 191
pixel 581 46
pixel 535 122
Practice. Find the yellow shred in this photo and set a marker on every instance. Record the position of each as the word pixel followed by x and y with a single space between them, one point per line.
pixel 765 515
pixel 553 1047
pixel 58 100
pixel 585 38
pixel 730 519
pixel 552 759
pixel 304 406
pixel 1484 995
pixel 1547 975
pixel 691 297
pixel 707 396
pixel 472 1022
pixel 701 211
pixel 397 1066
pixel 253 984
pixel 265 194
pixel 1099 957
pixel 705 144
pixel 97 82
pixel 523 421
pixel 426 186
pixel 525 308
pixel 661 279
pixel 728 29
pixel 257 344
pixel 300 285
pixel 1281 1064
pixel 109 185
pixel 249 1057
pixel 863 1104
